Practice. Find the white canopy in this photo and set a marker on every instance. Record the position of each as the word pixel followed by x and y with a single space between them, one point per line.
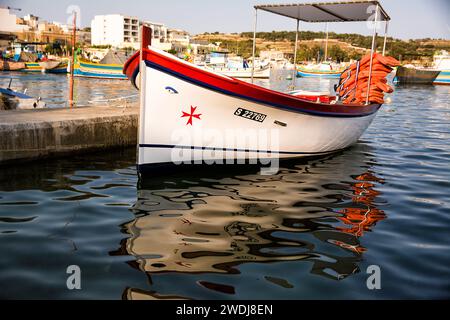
pixel 328 11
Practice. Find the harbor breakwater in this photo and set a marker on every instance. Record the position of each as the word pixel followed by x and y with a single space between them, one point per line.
pixel 37 134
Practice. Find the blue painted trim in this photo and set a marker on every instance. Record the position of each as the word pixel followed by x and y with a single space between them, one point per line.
pixel 214 88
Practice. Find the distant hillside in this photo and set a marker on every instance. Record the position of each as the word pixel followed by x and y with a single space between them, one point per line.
pixel 341 46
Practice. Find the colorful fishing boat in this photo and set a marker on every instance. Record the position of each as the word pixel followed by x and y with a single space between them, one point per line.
pixel 324 69
pixel 60 67
pixel 103 69
pixel 442 63
pixel 443 77
pixel 319 71
pixel 189 115
pixel 8 65
pixel 89 69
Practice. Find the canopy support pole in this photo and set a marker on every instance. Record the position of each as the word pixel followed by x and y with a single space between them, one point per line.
pixel 254 43
pixel 372 51
pixel 386 26
pixel 326 43
pixel 295 54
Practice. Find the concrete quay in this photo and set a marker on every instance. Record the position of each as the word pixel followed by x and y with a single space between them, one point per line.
pixel 27 135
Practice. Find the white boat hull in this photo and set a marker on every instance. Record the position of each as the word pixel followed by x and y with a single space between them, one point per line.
pixel 165 136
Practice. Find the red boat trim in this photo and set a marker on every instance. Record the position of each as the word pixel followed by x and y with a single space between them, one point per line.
pixel 241 89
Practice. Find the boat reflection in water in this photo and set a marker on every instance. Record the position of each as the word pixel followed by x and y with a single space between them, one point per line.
pixel 314 211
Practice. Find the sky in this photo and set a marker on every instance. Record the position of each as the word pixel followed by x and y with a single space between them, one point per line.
pixel 411 19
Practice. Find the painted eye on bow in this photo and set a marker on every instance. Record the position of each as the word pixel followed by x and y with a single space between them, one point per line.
pixel 171 90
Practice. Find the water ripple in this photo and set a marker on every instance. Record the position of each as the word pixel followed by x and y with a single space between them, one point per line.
pixel 309 231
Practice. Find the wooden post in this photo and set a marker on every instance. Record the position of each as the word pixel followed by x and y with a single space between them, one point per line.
pixel 72 63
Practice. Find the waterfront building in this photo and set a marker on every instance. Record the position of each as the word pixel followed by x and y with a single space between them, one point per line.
pixel 9 22
pixel 31 21
pixel 202 47
pixel 178 36
pixel 115 30
pixel 159 35
pixel 123 32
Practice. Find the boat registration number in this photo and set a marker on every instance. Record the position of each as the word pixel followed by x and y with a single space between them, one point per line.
pixel 251 115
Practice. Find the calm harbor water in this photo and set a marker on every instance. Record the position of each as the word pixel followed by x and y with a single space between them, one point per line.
pixel 311 231
pixel 53 89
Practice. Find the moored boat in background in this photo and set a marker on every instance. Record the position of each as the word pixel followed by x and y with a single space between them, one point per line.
pixel 98 70
pixel 47 66
pixel 439 73
pixel 7 65
pixel 322 70
pixel 236 66
pixel 19 101
pixel 110 67
pixel 409 74
pixel 261 72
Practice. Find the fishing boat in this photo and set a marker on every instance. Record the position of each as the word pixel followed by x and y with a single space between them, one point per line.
pixel 7 65
pixel 46 66
pixel 20 101
pixel 439 73
pixel 236 67
pixel 89 69
pixel 322 70
pixel 409 74
pixel 191 116
pixel 102 69
pixel 261 72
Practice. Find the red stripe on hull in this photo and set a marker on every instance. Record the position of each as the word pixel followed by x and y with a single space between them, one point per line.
pixel 245 89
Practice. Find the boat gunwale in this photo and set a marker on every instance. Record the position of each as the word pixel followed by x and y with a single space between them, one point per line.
pixel 241 89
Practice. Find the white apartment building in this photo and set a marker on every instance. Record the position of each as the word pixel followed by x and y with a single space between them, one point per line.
pixel 123 31
pixel 8 22
pixel 115 30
